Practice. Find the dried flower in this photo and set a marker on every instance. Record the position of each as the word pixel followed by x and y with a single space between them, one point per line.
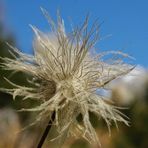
pixel 67 76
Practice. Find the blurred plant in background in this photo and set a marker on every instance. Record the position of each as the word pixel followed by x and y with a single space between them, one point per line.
pixel 9 126
pixel 11 122
pixel 137 102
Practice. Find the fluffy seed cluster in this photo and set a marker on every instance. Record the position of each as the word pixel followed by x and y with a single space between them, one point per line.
pixel 67 76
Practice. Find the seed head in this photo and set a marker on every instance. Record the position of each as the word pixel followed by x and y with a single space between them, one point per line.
pixel 67 76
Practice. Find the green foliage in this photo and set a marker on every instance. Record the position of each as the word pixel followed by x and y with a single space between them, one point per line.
pixel 6 100
pixel 135 136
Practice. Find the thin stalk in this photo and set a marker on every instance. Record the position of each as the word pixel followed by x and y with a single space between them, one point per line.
pixel 46 131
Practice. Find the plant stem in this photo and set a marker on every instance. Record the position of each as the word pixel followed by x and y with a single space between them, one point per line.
pixel 46 131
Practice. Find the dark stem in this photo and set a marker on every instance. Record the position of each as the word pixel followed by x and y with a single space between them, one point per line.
pixel 48 127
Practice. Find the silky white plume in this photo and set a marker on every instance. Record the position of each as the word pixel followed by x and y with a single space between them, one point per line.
pixel 67 75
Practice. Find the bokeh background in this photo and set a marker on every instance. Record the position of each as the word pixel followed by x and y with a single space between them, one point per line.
pixel 124 26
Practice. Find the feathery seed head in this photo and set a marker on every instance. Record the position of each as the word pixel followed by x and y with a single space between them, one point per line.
pixel 66 77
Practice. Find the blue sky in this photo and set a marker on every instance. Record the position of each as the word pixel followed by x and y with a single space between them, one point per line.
pixel 125 20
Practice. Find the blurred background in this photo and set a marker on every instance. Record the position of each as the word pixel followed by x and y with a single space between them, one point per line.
pixel 124 26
